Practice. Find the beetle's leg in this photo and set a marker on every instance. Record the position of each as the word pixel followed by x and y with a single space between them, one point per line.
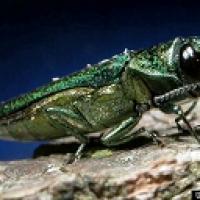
pixel 181 115
pixel 120 133
pixel 163 102
pixel 124 132
pixel 186 113
pixel 176 109
pixel 155 137
pixel 69 119
pixel 191 108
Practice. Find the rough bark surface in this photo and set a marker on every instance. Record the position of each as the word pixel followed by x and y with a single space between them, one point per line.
pixel 139 170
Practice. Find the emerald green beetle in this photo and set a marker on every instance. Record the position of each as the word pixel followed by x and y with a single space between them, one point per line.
pixel 111 94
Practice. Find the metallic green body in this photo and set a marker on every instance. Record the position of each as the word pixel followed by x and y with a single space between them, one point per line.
pixel 106 95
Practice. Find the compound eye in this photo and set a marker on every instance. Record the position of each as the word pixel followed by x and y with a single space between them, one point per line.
pixel 187 52
pixel 190 61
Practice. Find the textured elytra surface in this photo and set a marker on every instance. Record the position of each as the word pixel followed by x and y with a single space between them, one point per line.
pixel 139 170
pixel 107 73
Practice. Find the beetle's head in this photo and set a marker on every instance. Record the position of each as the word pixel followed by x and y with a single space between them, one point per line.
pixel 169 65
pixel 189 59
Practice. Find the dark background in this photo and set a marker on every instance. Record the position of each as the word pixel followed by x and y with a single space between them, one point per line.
pixel 44 39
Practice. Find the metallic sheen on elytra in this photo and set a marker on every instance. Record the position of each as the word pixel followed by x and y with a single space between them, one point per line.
pixel 111 94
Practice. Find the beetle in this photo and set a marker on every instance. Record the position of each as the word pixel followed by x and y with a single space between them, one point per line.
pixel 113 93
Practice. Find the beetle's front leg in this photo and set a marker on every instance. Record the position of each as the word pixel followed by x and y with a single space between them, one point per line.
pixel 181 115
pixel 186 113
pixel 176 109
pixel 164 103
